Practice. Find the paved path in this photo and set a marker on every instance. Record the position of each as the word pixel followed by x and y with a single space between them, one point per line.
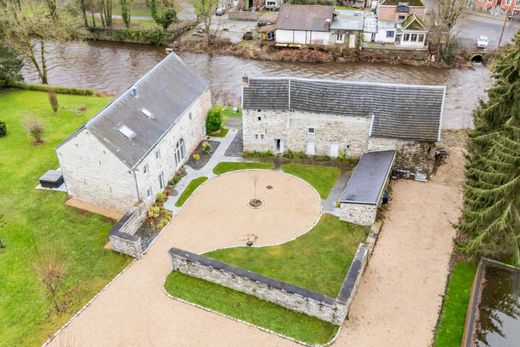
pixel 134 310
pixel 399 299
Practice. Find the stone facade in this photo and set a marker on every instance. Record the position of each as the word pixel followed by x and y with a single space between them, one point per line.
pixel 414 156
pixel 294 130
pixel 362 214
pixel 94 174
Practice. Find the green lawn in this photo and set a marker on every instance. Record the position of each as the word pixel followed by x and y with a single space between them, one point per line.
pixel 320 177
pixel 137 8
pixel 250 309
pixel 37 217
pixel 221 133
pixel 228 112
pixel 318 260
pixel 189 190
pixel 453 317
pixel 225 166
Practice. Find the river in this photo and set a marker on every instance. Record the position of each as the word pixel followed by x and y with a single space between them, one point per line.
pixel 113 67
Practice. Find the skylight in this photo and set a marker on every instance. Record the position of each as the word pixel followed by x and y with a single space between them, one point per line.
pixel 129 133
pixel 147 113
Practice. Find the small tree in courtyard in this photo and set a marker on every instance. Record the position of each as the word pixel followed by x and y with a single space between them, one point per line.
pixel 50 266
pixel 34 126
pixel 214 120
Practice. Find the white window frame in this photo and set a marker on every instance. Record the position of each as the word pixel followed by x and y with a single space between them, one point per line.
pixel 340 37
pixel 161 180
pixel 180 152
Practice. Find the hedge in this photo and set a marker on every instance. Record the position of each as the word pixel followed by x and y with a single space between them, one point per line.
pixel 153 36
pixel 57 89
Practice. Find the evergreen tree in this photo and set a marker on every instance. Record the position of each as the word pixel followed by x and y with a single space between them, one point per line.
pixel 490 223
pixel 10 66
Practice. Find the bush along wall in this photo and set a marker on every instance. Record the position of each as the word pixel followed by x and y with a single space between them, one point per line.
pixel 3 129
pixel 153 36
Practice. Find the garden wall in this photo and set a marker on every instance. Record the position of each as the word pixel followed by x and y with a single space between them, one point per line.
pixel 332 310
pixel 122 238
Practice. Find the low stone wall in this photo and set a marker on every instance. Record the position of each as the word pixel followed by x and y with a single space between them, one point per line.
pixel 122 238
pixel 361 214
pixel 243 15
pixel 332 310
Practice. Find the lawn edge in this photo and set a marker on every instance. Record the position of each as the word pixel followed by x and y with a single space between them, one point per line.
pixel 247 323
pixel 66 324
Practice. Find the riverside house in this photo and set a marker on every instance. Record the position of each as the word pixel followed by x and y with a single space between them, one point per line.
pixel 124 155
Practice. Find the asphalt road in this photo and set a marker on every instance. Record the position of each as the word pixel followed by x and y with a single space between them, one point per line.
pixel 471 26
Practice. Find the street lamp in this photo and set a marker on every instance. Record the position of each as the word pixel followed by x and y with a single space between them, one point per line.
pixel 505 21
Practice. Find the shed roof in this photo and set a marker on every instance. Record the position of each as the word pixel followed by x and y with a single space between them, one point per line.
pixel 305 17
pixel 368 180
pixel 132 124
pixel 398 110
pixel 348 20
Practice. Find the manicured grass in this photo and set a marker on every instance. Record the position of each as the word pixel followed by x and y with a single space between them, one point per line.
pixel 317 260
pixel 228 112
pixel 36 217
pixel 221 133
pixel 189 190
pixel 250 309
pixel 225 166
pixel 453 316
pixel 322 178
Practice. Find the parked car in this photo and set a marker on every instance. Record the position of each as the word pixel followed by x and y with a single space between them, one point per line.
pixel 220 11
pixel 482 41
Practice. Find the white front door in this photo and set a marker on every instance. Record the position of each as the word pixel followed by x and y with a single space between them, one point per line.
pixel 352 41
pixel 310 148
pixel 334 150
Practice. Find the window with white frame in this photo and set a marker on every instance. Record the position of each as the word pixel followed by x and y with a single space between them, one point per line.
pixel 420 37
pixel 180 152
pixel 340 37
pixel 311 131
pixel 158 154
pixel 161 181
pixel 390 34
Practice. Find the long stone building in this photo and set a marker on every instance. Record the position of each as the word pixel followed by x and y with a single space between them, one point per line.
pixel 322 117
pixel 125 155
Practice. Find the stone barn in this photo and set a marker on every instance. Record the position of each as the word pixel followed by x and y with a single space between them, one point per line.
pixel 341 118
pixel 125 155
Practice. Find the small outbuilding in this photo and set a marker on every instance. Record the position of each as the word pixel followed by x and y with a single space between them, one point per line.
pixel 365 189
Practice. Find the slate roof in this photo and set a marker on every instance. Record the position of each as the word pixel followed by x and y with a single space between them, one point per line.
pixel 166 91
pixel 347 20
pixel 399 110
pixel 368 180
pixel 397 2
pixel 305 17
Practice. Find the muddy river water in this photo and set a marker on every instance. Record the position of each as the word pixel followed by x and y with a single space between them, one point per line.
pixel 113 67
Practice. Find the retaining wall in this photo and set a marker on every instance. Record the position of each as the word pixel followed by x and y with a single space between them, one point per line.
pixel 122 238
pixel 332 310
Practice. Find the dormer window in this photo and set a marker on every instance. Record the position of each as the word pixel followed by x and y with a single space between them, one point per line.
pixel 135 92
pixel 127 132
pixel 147 113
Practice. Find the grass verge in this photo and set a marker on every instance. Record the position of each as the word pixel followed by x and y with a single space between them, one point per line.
pixel 36 217
pixel 221 133
pixel 453 315
pixel 225 166
pixel 322 178
pixel 318 260
pixel 189 190
pixel 250 309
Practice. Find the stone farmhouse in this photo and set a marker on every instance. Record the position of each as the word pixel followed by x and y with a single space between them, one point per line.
pixel 124 156
pixel 333 118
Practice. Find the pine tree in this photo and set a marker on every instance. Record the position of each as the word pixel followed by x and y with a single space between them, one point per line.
pixel 490 224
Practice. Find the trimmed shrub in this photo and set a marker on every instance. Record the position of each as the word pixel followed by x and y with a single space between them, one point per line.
pixel 3 129
pixel 56 89
pixel 214 120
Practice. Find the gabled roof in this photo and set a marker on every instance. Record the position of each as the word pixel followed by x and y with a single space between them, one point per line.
pixel 397 2
pixel 398 110
pixel 412 22
pixel 305 17
pixel 132 124
pixel 347 20
pixel 368 180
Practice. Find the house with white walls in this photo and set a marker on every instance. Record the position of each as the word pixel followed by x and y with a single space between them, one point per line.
pixel 125 154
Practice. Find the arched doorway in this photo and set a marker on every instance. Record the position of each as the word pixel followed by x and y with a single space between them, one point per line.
pixel 180 152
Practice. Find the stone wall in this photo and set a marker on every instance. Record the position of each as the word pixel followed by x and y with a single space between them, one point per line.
pixel 122 238
pixel 361 214
pixel 243 15
pixel 332 310
pixel 292 128
pixel 415 156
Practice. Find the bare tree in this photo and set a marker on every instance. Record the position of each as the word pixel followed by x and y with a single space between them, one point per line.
pixel 34 127
pixel 206 9
pixel 30 30
pixel 50 266
pixel 445 17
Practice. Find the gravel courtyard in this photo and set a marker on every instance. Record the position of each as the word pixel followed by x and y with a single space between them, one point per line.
pixel 134 310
